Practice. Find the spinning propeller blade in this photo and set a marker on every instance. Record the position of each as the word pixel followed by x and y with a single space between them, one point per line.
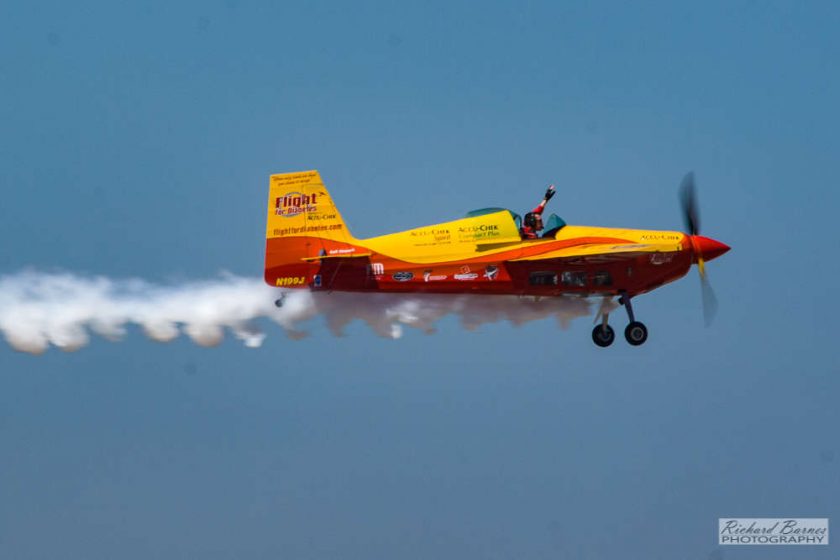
pixel 688 202
pixel 710 303
pixel 703 248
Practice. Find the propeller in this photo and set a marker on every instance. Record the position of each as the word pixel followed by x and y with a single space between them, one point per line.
pixel 688 201
pixel 702 247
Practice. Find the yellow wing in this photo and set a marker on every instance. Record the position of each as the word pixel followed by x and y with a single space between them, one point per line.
pixel 603 252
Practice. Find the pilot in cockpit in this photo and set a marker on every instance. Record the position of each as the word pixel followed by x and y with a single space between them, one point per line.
pixel 533 219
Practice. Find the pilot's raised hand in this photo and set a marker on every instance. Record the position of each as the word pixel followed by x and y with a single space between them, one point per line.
pixel 549 192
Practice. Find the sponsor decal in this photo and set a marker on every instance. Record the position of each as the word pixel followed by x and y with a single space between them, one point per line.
pixel 478 232
pixel 772 531
pixel 661 258
pixel 290 281
pixel 430 236
pixel 316 217
pixel 403 276
pixel 659 237
pixel 429 277
pixel 483 228
pixel 295 178
pixel 342 251
pixel 280 232
pixel 294 204
pixel 377 269
pixel 436 232
pixel 491 272
pixel 465 274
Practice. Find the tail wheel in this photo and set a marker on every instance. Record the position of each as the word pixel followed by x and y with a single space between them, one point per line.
pixel 603 336
pixel 636 333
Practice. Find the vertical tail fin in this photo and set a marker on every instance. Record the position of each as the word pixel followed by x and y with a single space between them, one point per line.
pixel 302 223
pixel 300 206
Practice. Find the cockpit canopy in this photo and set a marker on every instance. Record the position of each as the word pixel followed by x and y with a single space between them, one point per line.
pixel 552 225
pixel 493 210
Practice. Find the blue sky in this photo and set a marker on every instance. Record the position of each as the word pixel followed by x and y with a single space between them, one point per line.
pixel 137 141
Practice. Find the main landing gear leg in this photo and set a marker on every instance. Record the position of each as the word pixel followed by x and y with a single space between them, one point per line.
pixel 603 335
pixel 636 332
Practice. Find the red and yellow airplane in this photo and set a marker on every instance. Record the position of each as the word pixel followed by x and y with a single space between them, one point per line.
pixel 309 246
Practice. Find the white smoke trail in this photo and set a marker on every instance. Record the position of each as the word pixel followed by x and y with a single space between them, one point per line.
pixel 39 309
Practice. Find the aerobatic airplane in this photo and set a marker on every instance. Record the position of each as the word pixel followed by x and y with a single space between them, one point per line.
pixel 489 251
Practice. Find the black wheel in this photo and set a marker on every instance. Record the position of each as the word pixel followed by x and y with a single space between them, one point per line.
pixel 636 333
pixel 603 336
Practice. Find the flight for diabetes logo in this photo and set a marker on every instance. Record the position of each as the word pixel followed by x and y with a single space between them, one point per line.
pixel 294 204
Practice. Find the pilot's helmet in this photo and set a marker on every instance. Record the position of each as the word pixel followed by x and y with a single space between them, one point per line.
pixel 531 219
